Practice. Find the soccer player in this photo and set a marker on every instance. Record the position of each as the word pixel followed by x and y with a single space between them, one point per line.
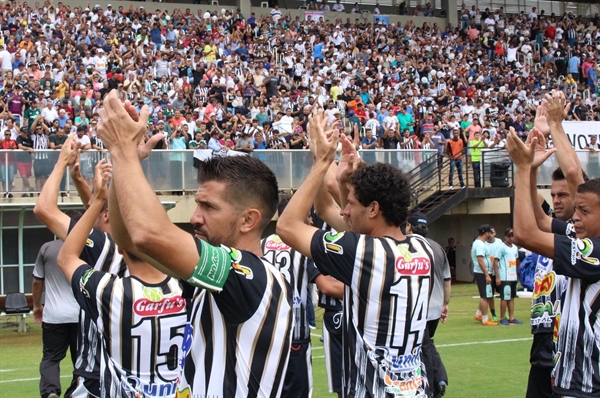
pixel 507 258
pixel 142 318
pixel 549 285
pixel 240 319
pixel 577 370
pixel 100 252
pixel 438 306
pixel 387 275
pixel 299 271
pixel 480 255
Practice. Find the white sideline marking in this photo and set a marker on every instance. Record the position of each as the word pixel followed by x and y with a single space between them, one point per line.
pixel 7 370
pixel 483 342
pixel 32 379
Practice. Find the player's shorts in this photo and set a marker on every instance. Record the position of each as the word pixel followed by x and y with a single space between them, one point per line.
pixel 298 378
pixel 332 345
pixel 24 169
pixel 508 290
pixel 486 290
pixel 42 168
pixel 80 388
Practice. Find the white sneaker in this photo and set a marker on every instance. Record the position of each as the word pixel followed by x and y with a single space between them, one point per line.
pixel 451 187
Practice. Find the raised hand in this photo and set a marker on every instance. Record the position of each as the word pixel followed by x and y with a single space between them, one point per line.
pixel 102 173
pixel 556 106
pixel 325 142
pixel 541 154
pixel 349 160
pixel 120 127
pixel 69 152
pixel 521 154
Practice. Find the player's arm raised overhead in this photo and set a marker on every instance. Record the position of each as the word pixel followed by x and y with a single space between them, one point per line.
pixel 68 258
pixel 143 216
pixel 291 226
pixel 555 108
pixel 543 220
pixel 46 208
pixel 325 206
pixel 527 234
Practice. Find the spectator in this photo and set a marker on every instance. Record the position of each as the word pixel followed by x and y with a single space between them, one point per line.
pixel 7 163
pixel 454 150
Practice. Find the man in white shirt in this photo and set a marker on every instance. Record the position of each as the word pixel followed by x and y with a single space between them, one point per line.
pixel 6 58
pixel 286 122
pixel 49 113
pixel 339 7
pixel 276 13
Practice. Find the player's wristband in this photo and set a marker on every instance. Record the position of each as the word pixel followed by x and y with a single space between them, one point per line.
pixel 212 269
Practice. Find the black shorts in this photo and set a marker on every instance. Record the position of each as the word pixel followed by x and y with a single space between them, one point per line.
pixel 507 290
pixel 486 290
pixel 332 345
pixel 42 167
pixel 298 377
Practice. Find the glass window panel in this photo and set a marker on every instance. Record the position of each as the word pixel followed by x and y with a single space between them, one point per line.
pixel 33 239
pixel 30 219
pixel 11 279
pixel 27 278
pixel 10 246
pixel 10 218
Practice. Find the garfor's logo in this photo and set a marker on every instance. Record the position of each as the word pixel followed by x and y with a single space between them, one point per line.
pixel 155 303
pixel 275 243
pixel 330 240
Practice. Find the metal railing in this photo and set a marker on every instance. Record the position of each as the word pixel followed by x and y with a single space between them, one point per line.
pixel 174 170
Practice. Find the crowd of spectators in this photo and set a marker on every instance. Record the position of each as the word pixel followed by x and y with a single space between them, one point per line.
pixel 226 81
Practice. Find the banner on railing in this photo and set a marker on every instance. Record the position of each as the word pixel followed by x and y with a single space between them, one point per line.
pixel 313 16
pixel 579 133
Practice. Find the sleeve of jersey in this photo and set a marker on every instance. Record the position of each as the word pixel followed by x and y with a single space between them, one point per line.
pixel 93 245
pixel 85 282
pixel 334 254
pixel 561 227
pixel 577 258
pixel 311 270
pixel 38 269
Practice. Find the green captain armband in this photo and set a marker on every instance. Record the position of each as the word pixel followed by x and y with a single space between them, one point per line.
pixel 212 269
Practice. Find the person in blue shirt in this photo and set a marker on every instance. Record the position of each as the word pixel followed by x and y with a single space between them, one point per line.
pixel 574 67
pixel 318 49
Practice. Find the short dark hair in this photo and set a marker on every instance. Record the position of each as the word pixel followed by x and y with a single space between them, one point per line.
pixel 558 175
pixel 590 186
pixel 249 183
pixel 386 185
pixel 420 229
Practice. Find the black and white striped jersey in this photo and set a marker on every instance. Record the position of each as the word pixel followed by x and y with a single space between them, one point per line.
pixel 239 338
pixel 325 301
pixel 577 359
pixel 141 326
pixel 298 271
pixel 100 252
pixel 385 309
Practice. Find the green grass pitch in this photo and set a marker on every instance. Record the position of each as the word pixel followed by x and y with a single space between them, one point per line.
pixel 481 361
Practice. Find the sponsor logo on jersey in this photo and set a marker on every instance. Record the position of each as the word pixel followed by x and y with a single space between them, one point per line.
pixel 413 265
pixel 330 239
pixel 544 286
pixel 166 305
pixel 243 270
pixel 585 248
pixel 154 294
pixel 275 243
pixel 406 363
pixel 405 387
pixel 89 243
pixel 235 255
pixel 185 393
pixel 84 278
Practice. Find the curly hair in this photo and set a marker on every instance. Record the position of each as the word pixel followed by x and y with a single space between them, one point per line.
pixel 386 185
